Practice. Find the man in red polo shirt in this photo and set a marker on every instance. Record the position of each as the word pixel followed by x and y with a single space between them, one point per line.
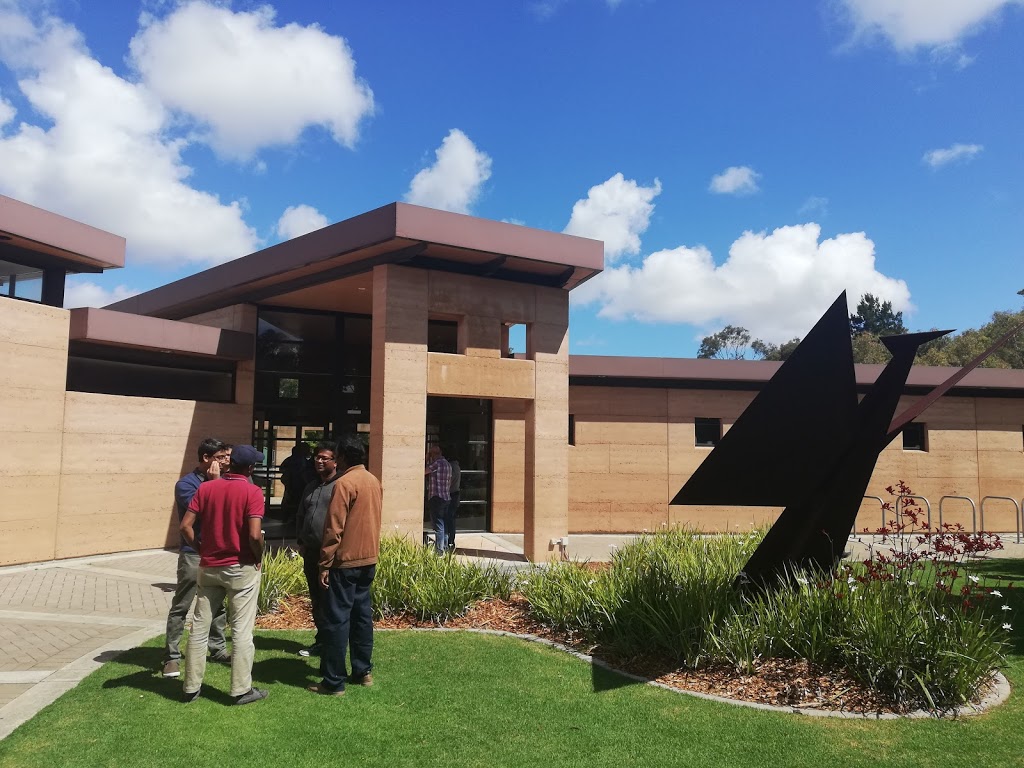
pixel 230 512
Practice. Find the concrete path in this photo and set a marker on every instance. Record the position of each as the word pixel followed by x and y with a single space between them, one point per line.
pixel 61 620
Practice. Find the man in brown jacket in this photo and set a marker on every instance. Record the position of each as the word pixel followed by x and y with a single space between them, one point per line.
pixel 348 562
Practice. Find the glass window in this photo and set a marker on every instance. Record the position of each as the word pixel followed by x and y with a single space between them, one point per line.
pixel 21 281
pixel 707 432
pixel 915 437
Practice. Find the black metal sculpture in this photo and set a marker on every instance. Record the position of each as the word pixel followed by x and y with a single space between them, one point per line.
pixel 806 444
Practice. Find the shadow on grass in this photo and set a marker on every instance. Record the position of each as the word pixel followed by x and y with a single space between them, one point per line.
pixel 296 672
pixel 603 679
pixel 270 640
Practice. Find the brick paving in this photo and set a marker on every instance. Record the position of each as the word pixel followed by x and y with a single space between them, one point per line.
pixel 61 620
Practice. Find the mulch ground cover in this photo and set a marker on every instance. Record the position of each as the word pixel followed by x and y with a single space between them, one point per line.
pixel 781 682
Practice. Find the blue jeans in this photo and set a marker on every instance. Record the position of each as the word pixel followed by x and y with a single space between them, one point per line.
pixel 449 519
pixel 438 509
pixel 348 625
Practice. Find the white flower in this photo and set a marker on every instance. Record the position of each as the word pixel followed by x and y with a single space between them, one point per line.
pixel 853 588
pixel 943 618
pixel 1007 627
pixel 975 579
pixel 911 583
pixel 802 580
pixel 996 593
pixel 850 580
pixel 1006 608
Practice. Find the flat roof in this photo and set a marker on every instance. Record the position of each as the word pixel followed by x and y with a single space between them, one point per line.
pixel 751 374
pixel 397 233
pixel 107 328
pixel 56 240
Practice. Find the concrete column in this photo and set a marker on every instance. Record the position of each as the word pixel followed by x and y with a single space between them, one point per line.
pixel 546 488
pixel 398 386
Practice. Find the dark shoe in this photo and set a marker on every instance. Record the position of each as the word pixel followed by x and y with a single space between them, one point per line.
pixel 253 694
pixel 223 657
pixel 313 650
pixel 366 680
pixel 188 698
pixel 172 668
pixel 324 691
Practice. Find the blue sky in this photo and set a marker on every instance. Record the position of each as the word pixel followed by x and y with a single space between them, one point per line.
pixel 742 164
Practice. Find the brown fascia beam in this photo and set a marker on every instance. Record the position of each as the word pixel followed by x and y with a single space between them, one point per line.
pixel 401 256
pixel 84 245
pixel 105 327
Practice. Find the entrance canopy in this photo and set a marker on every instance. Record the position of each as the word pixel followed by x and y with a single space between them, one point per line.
pixel 402 234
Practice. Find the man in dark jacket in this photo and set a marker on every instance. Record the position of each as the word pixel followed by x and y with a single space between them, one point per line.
pixel 348 562
pixel 312 513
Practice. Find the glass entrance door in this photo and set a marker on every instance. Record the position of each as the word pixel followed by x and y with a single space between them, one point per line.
pixel 462 426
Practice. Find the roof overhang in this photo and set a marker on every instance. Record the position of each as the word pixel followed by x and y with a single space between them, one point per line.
pixel 397 233
pixel 106 328
pixel 753 374
pixel 40 238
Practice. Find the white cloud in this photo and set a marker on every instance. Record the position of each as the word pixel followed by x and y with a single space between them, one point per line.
pixel 7 111
pixel 735 180
pixel 100 153
pixel 776 285
pixel 910 24
pixel 937 158
pixel 815 204
pixel 249 83
pixel 616 211
pixel 454 181
pixel 88 294
pixel 298 220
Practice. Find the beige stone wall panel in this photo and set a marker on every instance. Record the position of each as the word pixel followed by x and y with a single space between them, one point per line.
pixel 25 497
pixel 461 376
pixel 42 369
pixel 25 324
pixel 33 543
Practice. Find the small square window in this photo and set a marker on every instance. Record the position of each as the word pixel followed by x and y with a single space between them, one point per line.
pixel 915 437
pixel 707 432
pixel 288 389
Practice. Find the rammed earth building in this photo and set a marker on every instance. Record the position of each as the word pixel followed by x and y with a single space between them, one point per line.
pixel 396 324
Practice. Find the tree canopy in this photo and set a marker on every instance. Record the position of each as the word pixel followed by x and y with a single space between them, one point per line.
pixel 874 319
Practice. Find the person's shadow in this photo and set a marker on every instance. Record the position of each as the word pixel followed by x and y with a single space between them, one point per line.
pixel 147 677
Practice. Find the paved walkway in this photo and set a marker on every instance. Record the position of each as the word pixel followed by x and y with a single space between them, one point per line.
pixel 59 621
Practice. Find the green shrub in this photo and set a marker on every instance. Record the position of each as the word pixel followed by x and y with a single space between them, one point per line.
pixel 281 577
pixel 412 579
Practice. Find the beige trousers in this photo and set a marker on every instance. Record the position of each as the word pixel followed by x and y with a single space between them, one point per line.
pixel 241 585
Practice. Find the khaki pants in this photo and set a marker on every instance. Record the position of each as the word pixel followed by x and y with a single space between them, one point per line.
pixel 241 585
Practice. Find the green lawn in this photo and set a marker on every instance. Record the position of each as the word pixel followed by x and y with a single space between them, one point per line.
pixel 455 699
pixel 460 699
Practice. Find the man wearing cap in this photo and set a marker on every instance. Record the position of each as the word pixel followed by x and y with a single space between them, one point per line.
pixel 214 456
pixel 230 510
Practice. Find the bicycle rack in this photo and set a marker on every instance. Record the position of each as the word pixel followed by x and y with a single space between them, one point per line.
pixel 1016 512
pixel 974 511
pixel 927 506
pixel 881 504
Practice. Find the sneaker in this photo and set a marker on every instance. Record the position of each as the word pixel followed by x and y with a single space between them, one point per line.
pixel 221 657
pixel 313 650
pixel 366 680
pixel 253 694
pixel 324 691
pixel 172 668
pixel 188 698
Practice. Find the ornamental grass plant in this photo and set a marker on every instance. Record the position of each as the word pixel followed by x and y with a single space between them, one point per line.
pixel 412 580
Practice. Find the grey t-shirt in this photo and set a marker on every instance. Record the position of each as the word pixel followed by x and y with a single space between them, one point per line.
pixel 312 514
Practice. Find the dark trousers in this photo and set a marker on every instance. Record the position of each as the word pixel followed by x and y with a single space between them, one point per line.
pixel 348 625
pixel 311 569
pixel 449 519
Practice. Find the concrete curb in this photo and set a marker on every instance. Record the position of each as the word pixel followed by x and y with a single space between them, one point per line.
pixel 998 694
